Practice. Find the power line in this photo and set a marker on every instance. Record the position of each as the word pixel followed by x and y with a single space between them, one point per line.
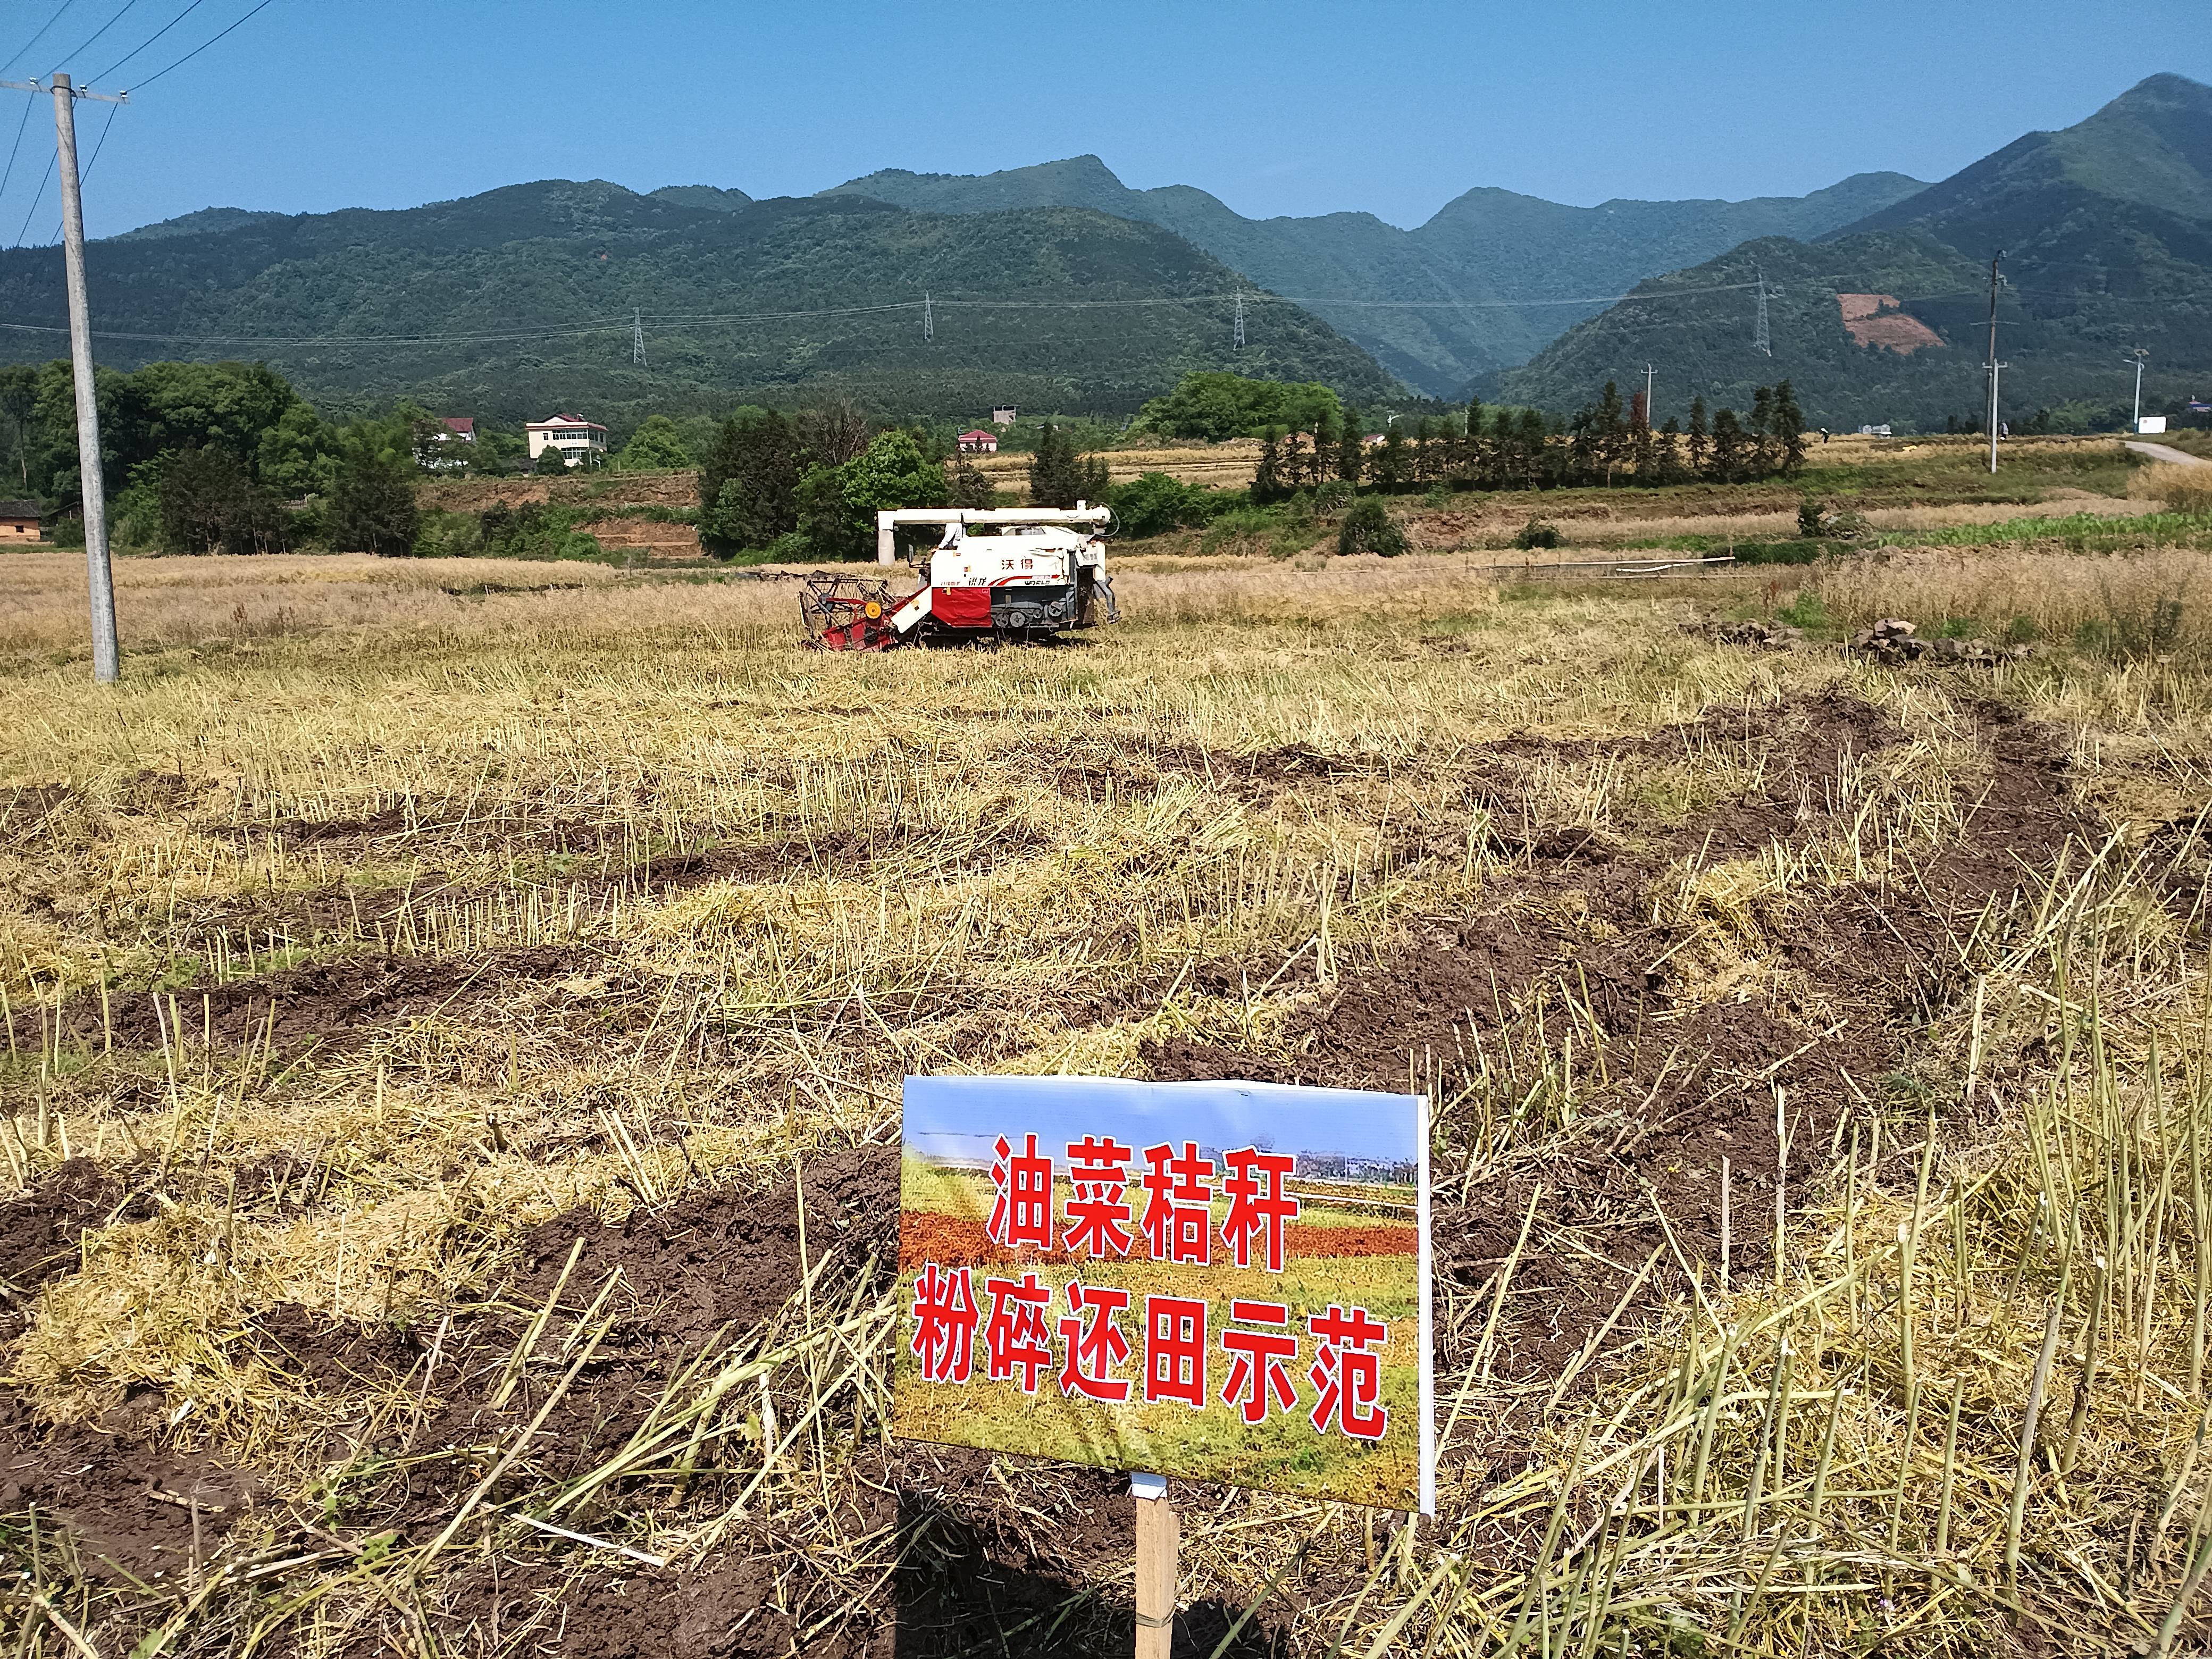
pixel 17 145
pixel 72 57
pixel 149 40
pixel 203 45
pixel 39 36
pixel 35 200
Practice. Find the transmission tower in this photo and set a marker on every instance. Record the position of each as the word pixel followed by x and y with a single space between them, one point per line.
pixel 637 337
pixel 928 319
pixel 1761 341
pixel 1238 342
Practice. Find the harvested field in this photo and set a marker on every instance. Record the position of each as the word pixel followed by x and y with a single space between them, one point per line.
pixel 453 1047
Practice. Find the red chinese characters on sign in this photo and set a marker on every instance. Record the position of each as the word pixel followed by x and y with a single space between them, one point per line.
pixel 1175 1350
pixel 1099 1212
pixel 1253 1183
pixel 1094 1351
pixel 945 1316
pixel 1021 1205
pixel 1014 1337
pixel 1349 1376
pixel 1256 1371
pixel 1095 1346
pixel 1178 1216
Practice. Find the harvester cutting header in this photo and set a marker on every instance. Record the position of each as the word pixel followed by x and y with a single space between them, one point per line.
pixel 1012 572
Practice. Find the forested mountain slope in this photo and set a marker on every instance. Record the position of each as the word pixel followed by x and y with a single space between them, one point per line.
pixel 2106 233
pixel 1488 249
pixel 518 302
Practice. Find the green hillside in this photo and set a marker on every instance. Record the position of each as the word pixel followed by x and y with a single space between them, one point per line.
pixel 2106 228
pixel 539 282
pixel 1486 249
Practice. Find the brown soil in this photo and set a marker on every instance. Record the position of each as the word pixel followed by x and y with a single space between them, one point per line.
pixel 39 1231
pixel 1685 1084
pixel 322 1001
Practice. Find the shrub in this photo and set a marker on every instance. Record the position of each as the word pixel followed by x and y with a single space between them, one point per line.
pixel 2179 488
pixel 1155 503
pixel 1369 528
pixel 1332 497
pixel 1537 533
pixel 1777 552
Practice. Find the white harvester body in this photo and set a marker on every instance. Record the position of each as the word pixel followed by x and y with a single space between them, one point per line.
pixel 1020 571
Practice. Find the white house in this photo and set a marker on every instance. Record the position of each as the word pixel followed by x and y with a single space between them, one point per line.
pixel 979 442
pixel 577 438
pixel 434 447
pixel 1004 416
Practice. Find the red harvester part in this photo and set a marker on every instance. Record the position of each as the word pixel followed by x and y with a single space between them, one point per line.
pixel 844 613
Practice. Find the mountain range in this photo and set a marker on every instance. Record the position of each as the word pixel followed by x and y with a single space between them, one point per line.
pixel 2105 232
pixel 516 302
pixel 1484 284
pixel 1057 287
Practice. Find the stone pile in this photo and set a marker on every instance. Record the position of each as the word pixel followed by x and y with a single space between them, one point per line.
pixel 1895 640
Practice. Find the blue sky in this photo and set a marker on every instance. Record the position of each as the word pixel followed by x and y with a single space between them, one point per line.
pixel 1285 108
pixel 961 1116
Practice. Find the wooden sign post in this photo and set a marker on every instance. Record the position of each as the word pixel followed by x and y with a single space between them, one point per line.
pixel 1224 1281
pixel 1157 1535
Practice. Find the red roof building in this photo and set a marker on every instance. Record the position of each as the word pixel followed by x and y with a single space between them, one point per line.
pixel 979 442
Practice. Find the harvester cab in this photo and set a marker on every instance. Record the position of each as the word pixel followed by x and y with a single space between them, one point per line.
pixel 1017 574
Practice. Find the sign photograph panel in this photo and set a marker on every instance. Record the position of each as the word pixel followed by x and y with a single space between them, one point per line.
pixel 1213 1281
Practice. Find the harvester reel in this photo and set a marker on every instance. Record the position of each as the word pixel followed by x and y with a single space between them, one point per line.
pixel 847 613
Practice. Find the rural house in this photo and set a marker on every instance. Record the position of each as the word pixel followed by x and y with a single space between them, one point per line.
pixel 1005 417
pixel 979 442
pixel 19 521
pixel 576 439
pixel 436 449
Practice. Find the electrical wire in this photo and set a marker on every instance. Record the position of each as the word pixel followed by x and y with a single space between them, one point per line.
pixel 35 200
pixel 149 40
pixel 14 148
pixel 102 29
pixel 203 45
pixel 39 36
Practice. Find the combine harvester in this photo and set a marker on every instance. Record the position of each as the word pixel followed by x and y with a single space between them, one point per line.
pixel 1008 572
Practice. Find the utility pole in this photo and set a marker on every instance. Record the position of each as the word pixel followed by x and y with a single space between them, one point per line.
pixel 105 665
pixel 637 336
pixel 2137 359
pixel 1994 366
pixel 1649 424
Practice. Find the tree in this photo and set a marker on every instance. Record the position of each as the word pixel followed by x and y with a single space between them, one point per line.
pixel 1732 451
pixel 201 496
pixel 372 506
pixel 1699 450
pixel 1155 503
pixel 1390 473
pixel 836 506
pixel 1369 528
pixel 1765 451
pixel 1061 477
pixel 1789 422
pixel 295 456
pixel 1534 451
pixel 968 486
pixel 655 447
pixel 747 485
pixel 1214 405
pixel 1052 469
pixel 1350 449
pixel 1667 461
pixel 1267 476
pixel 1608 433
pixel 551 462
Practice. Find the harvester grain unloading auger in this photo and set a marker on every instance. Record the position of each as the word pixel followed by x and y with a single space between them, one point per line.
pixel 1010 572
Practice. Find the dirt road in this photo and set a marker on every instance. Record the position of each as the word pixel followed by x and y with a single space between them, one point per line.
pixel 2167 453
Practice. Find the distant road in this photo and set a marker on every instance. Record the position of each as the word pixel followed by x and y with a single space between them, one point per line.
pixel 2167 453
